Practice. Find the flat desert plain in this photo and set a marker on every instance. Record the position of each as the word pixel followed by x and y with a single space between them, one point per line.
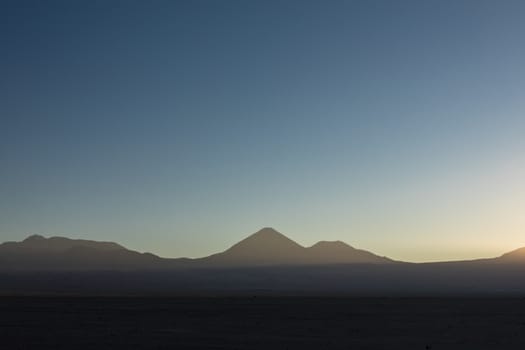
pixel 261 323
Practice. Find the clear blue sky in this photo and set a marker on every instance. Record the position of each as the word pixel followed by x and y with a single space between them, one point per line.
pixel 179 127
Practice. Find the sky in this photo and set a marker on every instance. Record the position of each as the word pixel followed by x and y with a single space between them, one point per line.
pixel 181 127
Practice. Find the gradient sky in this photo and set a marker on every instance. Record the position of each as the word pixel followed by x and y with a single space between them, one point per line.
pixel 180 127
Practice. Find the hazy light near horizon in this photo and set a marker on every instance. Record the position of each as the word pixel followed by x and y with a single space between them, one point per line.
pixel 180 128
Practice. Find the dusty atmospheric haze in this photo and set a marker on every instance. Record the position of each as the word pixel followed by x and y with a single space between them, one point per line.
pixel 256 174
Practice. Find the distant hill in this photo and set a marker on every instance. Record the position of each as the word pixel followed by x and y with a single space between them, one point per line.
pixel 37 243
pixel 59 253
pixel 517 255
pixel 341 253
pixel 269 247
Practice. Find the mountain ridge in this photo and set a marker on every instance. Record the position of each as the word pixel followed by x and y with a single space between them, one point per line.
pixel 270 247
pixel 266 247
pixel 37 252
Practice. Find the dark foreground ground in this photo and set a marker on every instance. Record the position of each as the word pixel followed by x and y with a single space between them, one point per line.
pixel 261 323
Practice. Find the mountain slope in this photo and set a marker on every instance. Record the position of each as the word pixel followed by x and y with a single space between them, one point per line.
pixel 517 255
pixel 60 253
pixel 269 247
pixel 39 243
pixel 264 247
pixel 341 253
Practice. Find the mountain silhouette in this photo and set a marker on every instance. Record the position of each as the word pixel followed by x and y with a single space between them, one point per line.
pixel 270 247
pixel 341 253
pixel 517 255
pixel 39 253
pixel 264 248
pixel 57 244
pixel 266 262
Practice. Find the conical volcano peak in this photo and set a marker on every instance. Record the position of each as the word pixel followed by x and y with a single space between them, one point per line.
pixel 267 233
pixel 267 237
pixel 265 246
pixel 268 229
